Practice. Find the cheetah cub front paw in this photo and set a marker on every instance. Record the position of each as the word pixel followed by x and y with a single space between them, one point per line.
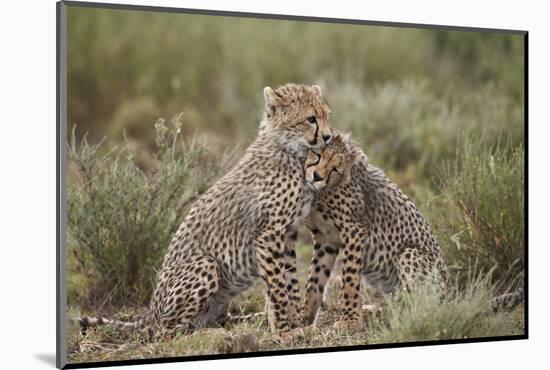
pixel 289 336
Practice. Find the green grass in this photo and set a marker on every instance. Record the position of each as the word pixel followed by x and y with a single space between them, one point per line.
pixel 479 214
pixel 121 218
pixel 412 125
pixel 382 82
pixel 424 315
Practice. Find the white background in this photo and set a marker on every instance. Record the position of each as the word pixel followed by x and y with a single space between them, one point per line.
pixel 27 182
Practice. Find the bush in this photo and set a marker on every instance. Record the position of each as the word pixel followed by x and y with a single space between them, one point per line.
pixel 479 216
pixel 121 219
pixel 412 123
pixel 214 68
pixel 424 315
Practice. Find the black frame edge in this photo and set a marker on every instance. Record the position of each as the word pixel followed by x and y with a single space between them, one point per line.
pixel 526 179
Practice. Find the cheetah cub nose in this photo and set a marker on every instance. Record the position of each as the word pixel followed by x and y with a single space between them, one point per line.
pixel 327 138
pixel 316 177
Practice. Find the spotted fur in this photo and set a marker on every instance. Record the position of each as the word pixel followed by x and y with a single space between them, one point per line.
pixel 237 231
pixel 378 229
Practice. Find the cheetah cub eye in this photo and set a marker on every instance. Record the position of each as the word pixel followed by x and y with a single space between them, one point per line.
pixel 312 158
pixel 312 119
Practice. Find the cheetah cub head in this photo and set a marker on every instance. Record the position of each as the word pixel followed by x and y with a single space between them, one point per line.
pixel 297 114
pixel 331 165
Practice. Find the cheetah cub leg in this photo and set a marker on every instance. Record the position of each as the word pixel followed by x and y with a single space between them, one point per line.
pixel 418 270
pixel 292 284
pixel 376 302
pixel 320 269
pixel 186 296
pixel 353 237
pixel 507 301
pixel 373 309
pixel 270 256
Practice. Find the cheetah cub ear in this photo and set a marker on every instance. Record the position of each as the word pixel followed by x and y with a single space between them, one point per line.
pixel 272 99
pixel 317 90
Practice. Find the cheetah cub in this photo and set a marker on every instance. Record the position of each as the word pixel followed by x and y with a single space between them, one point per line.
pixel 383 237
pixel 236 231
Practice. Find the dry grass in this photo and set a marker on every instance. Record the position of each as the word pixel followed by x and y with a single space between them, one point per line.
pixel 415 318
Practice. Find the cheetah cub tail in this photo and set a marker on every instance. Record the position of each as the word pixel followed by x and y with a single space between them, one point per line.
pixel 508 301
pixel 125 327
pixel 251 317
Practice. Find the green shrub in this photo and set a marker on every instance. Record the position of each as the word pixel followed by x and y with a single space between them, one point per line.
pixel 482 63
pixel 121 219
pixel 479 216
pixel 214 68
pixel 424 315
pixel 412 123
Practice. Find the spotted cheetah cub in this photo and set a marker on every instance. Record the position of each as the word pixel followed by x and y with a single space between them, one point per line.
pixel 383 237
pixel 236 231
